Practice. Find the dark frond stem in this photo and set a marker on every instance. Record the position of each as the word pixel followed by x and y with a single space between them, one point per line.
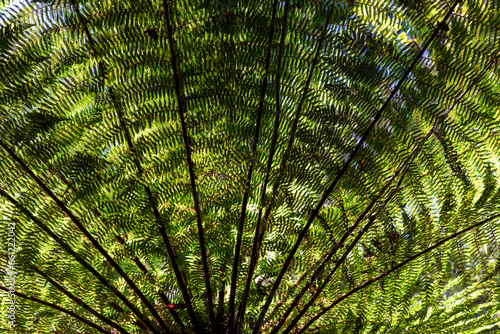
pixel 162 295
pixel 288 293
pixel 161 225
pixel 172 311
pixel 397 267
pixel 256 240
pixel 295 121
pixel 338 264
pixel 241 223
pixel 77 222
pixel 56 307
pixel 221 296
pixel 79 302
pixel 220 307
pixel 182 112
pixel 291 140
pixel 148 191
pixel 140 265
pixel 406 166
pixel 403 168
pixel 339 176
pixel 156 213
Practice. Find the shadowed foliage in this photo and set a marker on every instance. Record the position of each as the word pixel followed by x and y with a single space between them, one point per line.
pixel 249 166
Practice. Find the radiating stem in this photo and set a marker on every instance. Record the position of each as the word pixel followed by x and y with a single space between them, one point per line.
pixel 257 235
pixel 318 207
pixel 87 234
pixel 246 194
pixel 56 307
pixel 182 113
pixel 397 267
pixel 79 302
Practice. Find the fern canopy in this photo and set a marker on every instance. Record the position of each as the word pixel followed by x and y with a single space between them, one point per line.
pixel 246 166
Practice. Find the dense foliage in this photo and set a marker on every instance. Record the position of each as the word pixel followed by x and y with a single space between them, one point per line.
pixel 250 166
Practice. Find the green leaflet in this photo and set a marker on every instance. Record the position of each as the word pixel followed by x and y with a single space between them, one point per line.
pixel 142 140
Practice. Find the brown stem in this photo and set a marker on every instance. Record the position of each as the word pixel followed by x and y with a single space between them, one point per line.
pixel 405 165
pixel 400 265
pixel 172 311
pixel 161 226
pixel 192 177
pixel 339 176
pixel 246 194
pixel 79 301
pixel 258 233
pixel 77 222
pixel 56 307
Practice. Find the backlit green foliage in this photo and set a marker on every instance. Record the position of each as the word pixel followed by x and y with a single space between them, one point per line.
pixel 236 166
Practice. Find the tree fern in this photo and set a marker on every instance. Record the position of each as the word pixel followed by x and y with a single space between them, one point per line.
pixel 240 166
